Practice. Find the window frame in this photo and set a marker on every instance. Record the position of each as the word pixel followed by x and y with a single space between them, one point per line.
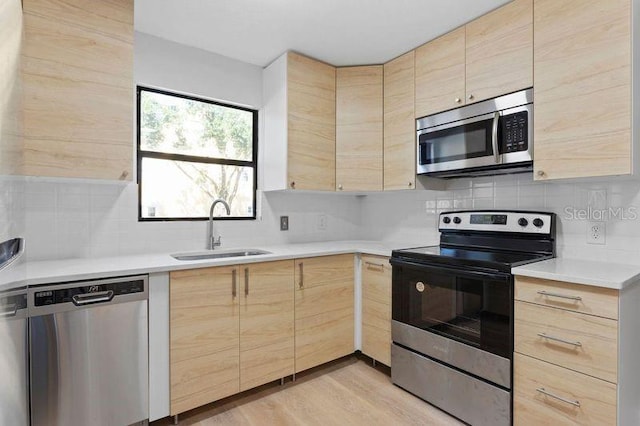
pixel 140 154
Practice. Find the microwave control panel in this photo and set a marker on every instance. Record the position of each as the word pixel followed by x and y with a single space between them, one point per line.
pixel 514 132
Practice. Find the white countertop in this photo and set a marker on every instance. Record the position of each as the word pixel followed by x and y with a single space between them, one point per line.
pixel 52 271
pixel 588 272
pixel 601 274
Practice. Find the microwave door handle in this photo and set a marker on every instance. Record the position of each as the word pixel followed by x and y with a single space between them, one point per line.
pixel 494 138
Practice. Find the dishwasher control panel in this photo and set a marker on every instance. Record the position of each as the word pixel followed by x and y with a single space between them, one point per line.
pixel 54 296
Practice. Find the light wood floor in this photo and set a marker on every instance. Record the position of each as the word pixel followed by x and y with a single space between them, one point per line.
pixel 347 392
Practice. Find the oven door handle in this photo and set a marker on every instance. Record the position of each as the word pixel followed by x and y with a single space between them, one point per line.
pixel 496 276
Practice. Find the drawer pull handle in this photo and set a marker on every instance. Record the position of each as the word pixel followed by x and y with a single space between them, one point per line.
pixel 559 398
pixel 561 296
pixel 374 265
pixel 557 339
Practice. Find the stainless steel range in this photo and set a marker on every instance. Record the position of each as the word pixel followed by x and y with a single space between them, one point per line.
pixel 452 310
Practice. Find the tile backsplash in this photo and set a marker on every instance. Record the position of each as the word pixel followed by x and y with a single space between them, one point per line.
pixel 411 217
pixel 65 219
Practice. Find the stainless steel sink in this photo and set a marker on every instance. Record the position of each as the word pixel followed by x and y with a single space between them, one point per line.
pixel 218 254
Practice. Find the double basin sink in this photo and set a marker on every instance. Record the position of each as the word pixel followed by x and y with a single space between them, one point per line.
pixel 218 254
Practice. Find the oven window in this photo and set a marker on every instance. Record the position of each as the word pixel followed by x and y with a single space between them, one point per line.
pixel 457 143
pixel 471 310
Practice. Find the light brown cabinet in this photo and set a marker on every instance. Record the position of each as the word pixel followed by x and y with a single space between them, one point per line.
pixel 204 343
pixel 488 57
pixel 300 124
pixel 440 74
pixel 266 323
pixel 582 88
pixel 324 315
pixel 499 51
pixel 399 157
pixel 567 349
pixel 231 329
pixel 77 69
pixel 359 118
pixel 376 308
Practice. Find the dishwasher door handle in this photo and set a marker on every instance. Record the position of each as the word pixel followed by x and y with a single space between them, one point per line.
pixel 89 298
pixel 8 311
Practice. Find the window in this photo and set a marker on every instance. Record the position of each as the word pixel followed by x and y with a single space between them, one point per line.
pixel 192 151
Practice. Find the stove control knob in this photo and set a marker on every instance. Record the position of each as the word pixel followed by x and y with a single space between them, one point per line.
pixel 457 220
pixel 446 220
pixel 537 222
pixel 523 222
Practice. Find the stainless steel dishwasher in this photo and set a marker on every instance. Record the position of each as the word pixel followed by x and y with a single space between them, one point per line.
pixel 89 353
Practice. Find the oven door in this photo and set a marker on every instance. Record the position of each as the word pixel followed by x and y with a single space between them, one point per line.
pixel 471 307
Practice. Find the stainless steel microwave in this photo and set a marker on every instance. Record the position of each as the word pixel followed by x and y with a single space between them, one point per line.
pixel 486 138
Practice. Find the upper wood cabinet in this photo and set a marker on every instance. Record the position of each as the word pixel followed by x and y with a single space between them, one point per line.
pixel 582 88
pixel 300 124
pixel 359 119
pixel 439 74
pixel 77 67
pixel 399 123
pixel 266 323
pixel 499 51
pixel 488 57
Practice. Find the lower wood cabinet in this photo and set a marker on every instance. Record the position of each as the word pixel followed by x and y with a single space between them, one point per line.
pixel 204 343
pixel 231 329
pixel 324 313
pixel 546 394
pixel 568 350
pixel 376 308
pixel 266 323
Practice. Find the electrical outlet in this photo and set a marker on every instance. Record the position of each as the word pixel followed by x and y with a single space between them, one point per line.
pixel 596 233
pixel 284 223
pixel 322 222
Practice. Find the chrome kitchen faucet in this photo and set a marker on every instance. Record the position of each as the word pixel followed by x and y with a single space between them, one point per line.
pixel 213 242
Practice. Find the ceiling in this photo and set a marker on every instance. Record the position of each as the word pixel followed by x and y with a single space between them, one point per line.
pixel 340 32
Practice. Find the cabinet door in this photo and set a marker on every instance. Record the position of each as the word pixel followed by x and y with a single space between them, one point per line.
pixel 204 348
pixel 440 74
pixel 376 308
pixel 399 123
pixel 499 51
pixel 311 128
pixel 323 310
pixel 359 128
pixel 582 88
pixel 77 69
pixel 266 323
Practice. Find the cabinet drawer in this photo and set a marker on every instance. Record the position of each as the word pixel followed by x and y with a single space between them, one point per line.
pixel 598 301
pixel 545 394
pixel 316 271
pixel 580 342
pixel 376 279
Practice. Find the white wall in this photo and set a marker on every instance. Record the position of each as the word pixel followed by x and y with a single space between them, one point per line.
pixel 167 65
pixel 11 202
pixel 74 218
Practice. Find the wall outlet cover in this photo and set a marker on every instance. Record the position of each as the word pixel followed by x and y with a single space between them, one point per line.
pixel 284 223
pixel 596 233
pixel 322 222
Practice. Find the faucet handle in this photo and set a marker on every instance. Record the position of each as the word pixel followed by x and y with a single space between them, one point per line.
pixel 217 242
